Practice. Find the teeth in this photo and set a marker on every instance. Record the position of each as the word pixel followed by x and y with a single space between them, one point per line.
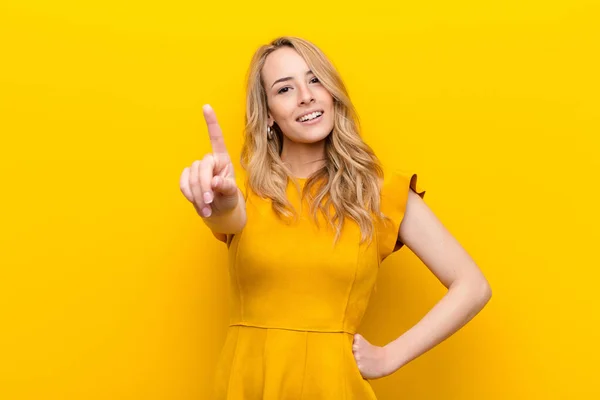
pixel 310 116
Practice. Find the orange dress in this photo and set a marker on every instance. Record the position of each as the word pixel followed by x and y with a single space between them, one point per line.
pixel 296 300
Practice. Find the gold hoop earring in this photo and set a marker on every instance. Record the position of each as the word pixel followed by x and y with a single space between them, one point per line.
pixel 269 132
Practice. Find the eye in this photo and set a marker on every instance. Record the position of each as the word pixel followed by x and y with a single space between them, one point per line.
pixel 315 80
pixel 283 90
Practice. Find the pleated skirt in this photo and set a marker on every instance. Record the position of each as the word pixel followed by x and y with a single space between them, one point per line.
pixel 277 364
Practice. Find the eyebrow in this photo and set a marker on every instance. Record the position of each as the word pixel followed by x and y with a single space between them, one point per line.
pixel 287 78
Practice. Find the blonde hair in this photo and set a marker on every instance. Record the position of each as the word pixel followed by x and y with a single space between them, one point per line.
pixel 349 182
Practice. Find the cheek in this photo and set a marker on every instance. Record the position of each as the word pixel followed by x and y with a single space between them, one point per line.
pixel 283 110
pixel 325 96
pixel 277 110
pixel 330 108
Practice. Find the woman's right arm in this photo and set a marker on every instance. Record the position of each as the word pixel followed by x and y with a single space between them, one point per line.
pixel 210 185
pixel 231 222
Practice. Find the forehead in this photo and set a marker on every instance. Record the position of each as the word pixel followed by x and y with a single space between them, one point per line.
pixel 283 62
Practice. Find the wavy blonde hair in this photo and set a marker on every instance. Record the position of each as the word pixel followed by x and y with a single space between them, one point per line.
pixel 351 179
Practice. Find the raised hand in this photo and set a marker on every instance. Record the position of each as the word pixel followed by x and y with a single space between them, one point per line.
pixel 209 184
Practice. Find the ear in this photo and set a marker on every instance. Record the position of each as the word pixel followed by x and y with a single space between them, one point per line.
pixel 270 120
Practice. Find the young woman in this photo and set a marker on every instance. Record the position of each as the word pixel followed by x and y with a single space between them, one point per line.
pixel 307 228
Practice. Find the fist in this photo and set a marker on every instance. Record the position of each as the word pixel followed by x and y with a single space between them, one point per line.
pixel 372 361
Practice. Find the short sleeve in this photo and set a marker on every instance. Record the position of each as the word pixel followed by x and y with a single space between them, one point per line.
pixel 394 197
pixel 242 184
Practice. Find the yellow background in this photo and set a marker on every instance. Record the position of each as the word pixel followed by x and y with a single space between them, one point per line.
pixel 111 287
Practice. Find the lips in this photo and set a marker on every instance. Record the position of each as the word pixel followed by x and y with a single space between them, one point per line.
pixel 308 113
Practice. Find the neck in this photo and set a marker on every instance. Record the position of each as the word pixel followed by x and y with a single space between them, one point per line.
pixel 303 159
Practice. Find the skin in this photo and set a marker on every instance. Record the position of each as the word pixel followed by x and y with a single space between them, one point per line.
pixel 303 145
pixel 210 185
pixel 468 292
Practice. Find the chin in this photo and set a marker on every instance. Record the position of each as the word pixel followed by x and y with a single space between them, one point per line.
pixel 313 138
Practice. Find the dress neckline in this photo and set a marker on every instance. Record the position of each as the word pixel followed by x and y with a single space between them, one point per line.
pixel 302 181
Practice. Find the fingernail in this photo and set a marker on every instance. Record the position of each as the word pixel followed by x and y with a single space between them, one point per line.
pixel 208 198
pixel 206 107
pixel 206 211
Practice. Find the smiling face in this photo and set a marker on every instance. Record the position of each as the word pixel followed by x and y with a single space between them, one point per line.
pixel 298 103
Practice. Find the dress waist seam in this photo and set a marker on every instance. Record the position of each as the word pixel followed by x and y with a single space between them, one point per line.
pixel 303 329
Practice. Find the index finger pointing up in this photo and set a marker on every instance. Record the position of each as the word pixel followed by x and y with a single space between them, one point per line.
pixel 214 130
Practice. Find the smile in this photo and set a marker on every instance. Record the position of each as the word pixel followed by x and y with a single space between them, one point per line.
pixel 310 118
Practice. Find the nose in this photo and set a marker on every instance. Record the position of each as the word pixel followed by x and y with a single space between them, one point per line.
pixel 305 95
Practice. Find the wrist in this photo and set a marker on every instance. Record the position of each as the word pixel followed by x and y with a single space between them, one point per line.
pixel 393 360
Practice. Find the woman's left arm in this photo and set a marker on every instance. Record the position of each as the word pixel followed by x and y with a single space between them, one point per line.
pixel 468 292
